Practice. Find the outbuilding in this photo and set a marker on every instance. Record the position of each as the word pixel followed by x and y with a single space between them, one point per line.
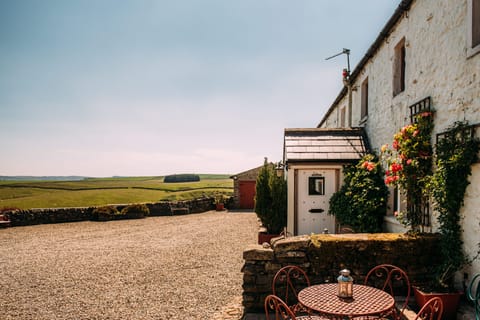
pixel 244 184
pixel 314 160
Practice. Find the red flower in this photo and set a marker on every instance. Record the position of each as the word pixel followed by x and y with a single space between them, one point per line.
pixel 396 167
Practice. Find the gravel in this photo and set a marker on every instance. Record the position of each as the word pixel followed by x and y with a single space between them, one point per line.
pixel 172 267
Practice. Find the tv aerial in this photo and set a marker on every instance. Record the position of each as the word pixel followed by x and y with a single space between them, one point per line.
pixel 347 52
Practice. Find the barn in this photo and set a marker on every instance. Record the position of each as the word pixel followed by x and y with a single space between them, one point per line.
pixel 244 188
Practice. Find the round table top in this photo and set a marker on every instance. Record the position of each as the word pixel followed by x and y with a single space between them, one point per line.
pixel 366 300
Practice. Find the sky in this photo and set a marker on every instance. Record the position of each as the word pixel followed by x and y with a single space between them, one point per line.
pixel 154 87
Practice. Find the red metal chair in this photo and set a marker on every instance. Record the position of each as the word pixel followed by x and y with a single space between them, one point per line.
pixel 473 294
pixel 432 310
pixel 282 311
pixel 287 283
pixel 393 280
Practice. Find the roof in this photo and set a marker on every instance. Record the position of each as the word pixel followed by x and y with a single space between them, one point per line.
pixel 247 172
pixel 324 145
pixel 384 34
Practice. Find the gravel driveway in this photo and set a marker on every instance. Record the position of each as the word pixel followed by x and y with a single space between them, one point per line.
pixel 180 267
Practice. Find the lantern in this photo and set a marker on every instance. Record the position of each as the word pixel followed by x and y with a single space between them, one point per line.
pixel 345 284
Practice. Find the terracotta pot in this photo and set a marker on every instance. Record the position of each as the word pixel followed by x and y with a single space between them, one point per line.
pixel 450 301
pixel 219 207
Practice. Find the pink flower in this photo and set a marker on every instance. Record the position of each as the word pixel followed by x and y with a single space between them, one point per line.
pixel 409 161
pixel 395 144
pixel 389 180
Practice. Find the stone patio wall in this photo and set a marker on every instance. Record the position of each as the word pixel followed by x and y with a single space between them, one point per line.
pixel 322 256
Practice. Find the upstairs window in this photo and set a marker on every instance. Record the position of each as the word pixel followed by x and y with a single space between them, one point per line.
pixel 399 68
pixel 343 116
pixel 473 26
pixel 364 105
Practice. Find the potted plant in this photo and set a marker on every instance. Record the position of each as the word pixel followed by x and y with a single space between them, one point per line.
pixel 219 202
pixel 361 202
pixel 456 151
pixel 270 202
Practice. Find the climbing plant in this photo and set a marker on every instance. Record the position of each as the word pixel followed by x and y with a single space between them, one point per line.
pixel 409 166
pixel 456 151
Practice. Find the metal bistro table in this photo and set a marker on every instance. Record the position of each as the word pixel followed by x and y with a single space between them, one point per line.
pixel 367 302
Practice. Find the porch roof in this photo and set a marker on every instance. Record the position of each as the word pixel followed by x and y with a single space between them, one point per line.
pixel 324 145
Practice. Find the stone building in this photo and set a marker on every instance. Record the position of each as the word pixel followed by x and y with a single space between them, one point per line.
pixel 426 56
pixel 244 184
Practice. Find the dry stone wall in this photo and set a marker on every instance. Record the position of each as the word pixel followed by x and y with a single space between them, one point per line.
pixel 322 256
pixel 58 215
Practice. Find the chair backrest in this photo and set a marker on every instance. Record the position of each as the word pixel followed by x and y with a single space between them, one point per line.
pixel 473 293
pixel 391 279
pixel 432 310
pixel 288 282
pixel 279 308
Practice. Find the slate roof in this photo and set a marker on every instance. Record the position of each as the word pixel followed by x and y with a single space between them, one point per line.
pixel 324 145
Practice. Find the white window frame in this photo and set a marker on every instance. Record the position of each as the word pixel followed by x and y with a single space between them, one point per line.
pixel 472 50
pixel 364 89
pixel 342 117
pixel 399 68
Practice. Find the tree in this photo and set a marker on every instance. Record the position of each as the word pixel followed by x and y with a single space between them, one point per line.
pixel 271 199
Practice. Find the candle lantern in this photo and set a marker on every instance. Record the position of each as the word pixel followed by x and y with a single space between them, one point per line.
pixel 345 284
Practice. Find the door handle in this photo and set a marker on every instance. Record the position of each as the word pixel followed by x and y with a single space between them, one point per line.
pixel 316 210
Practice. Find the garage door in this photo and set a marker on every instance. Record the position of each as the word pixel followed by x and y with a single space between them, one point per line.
pixel 247 194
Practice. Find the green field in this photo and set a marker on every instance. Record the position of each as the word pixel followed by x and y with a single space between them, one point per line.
pixel 102 191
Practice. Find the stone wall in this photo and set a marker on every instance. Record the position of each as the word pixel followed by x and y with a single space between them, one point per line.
pixel 322 256
pixel 58 215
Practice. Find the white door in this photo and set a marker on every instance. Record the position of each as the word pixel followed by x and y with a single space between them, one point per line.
pixel 314 189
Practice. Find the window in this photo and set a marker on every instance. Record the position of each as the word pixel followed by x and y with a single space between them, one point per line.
pixel 396 200
pixel 399 68
pixel 316 186
pixel 343 115
pixel 473 26
pixel 364 106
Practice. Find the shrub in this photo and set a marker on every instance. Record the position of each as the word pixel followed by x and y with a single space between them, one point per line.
pixel 135 211
pixel 271 199
pixel 105 213
pixel 361 202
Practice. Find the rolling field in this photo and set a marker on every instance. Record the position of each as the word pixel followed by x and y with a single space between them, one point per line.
pixel 103 191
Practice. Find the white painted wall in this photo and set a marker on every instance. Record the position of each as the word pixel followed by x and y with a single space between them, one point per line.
pixel 439 64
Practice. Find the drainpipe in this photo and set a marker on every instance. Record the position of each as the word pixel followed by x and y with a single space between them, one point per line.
pixel 349 87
